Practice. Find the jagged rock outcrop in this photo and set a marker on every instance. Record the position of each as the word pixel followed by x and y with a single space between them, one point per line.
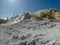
pixel 52 14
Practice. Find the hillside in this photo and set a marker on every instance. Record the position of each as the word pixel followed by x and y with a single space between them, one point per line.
pixel 37 28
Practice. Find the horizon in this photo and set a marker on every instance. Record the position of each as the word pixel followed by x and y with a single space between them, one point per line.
pixel 8 8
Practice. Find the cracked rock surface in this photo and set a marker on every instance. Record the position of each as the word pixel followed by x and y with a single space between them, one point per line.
pixel 30 32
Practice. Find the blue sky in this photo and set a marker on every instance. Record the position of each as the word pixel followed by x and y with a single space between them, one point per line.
pixel 10 7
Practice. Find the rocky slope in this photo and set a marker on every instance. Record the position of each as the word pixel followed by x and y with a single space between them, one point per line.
pixel 38 28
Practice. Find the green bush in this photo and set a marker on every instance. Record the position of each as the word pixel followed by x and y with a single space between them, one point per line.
pixel 2 21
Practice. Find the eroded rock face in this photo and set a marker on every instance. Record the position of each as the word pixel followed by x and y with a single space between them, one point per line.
pixel 31 31
pixel 57 16
pixel 27 16
pixel 32 43
pixel 23 43
pixel 52 14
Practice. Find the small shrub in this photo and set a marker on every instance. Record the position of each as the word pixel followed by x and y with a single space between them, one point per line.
pixel 2 21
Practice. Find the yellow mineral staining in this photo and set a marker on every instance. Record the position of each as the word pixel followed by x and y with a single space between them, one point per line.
pixel 51 14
